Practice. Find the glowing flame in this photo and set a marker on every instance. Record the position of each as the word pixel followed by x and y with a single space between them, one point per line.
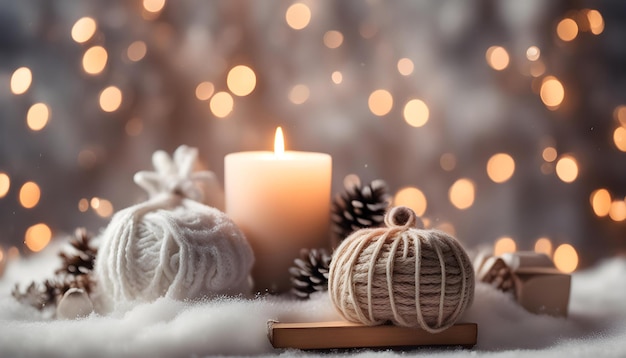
pixel 279 143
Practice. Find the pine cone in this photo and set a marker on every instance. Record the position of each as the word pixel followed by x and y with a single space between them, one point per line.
pixel 359 207
pixel 75 272
pixel 38 295
pixel 310 272
pixel 81 262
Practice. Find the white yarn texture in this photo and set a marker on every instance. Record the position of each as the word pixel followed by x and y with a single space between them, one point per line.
pixel 400 274
pixel 172 245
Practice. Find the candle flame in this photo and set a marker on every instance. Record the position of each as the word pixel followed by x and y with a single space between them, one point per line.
pixel 279 142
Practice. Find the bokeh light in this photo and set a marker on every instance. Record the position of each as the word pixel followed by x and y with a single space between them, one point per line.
pixel 537 68
pixel 333 39
pixel 462 193
pixel 337 77
pixel 405 66
pixel 600 202
pixel 567 29
pixel 596 22
pixel 29 195
pixel 351 180
pixel 617 211
pixel 566 258
pixel 552 92
pixel 543 246
pixel 241 80
pixel 37 237
pixel 13 253
pixel 21 80
pixel 5 184
pixel 504 245
pixel 299 94
pixel 83 29
pixel 500 167
pixel 37 116
pixel 416 113
pixel 447 161
pixel 153 6
pixel 567 169
pixel 136 51
pixel 221 104
pixel 298 16
pixel 204 90
pixel 413 198
pixel 95 60
pixel 87 158
pixel 619 138
pixel 380 102
pixel 110 99
pixel 446 227
pixel 83 205
pixel 134 127
pixel 102 207
pixel 549 154
pixel 533 53
pixel 497 57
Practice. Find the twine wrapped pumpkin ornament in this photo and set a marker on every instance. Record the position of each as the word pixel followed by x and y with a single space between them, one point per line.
pixel 172 245
pixel 401 274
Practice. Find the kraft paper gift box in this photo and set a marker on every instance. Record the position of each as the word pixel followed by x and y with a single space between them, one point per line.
pixel 536 283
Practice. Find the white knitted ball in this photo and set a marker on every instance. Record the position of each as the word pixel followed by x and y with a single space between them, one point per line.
pixel 172 245
pixel 401 274
pixel 185 251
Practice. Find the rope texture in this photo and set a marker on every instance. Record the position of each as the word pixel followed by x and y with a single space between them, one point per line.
pixel 401 274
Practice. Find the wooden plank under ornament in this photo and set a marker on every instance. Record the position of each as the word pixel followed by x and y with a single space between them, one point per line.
pixel 344 335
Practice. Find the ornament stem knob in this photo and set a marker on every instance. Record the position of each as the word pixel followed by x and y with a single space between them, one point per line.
pixel 402 216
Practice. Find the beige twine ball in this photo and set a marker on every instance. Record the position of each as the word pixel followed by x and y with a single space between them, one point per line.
pixel 401 274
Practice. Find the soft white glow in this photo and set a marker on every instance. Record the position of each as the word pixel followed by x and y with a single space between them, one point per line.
pixel 279 143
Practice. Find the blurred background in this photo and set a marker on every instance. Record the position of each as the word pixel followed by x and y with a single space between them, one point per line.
pixel 501 122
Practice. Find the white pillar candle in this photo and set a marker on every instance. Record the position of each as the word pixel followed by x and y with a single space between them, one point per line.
pixel 281 201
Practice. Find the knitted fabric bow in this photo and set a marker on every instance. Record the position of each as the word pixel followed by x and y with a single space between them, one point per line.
pixel 176 175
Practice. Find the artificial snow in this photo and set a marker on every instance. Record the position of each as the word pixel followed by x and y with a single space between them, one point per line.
pixel 596 325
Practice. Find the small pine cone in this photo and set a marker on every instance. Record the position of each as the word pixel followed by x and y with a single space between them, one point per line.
pixel 37 295
pixel 81 261
pixel 359 207
pixel 310 272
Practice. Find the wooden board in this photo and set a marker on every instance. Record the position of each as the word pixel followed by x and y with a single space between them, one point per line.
pixel 341 335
